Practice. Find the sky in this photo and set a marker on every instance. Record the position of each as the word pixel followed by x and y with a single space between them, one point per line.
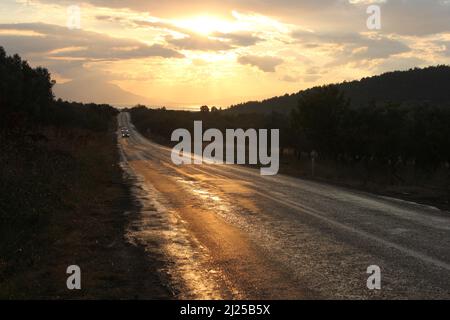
pixel 187 53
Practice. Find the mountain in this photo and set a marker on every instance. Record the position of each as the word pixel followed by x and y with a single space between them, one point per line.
pixel 431 84
pixel 104 92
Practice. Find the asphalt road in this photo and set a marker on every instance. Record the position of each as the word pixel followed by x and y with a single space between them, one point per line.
pixel 225 231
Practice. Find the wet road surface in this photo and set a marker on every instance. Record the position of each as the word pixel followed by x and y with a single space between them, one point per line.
pixel 226 232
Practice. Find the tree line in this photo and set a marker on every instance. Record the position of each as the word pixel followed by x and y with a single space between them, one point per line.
pixel 385 132
pixel 413 86
pixel 325 120
pixel 27 101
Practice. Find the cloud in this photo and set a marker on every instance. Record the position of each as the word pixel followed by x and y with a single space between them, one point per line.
pixel 216 42
pixel 241 39
pixel 399 63
pixel 264 63
pixel 289 78
pixel 66 53
pixel 195 41
pixel 109 18
pixel 353 47
pixel 446 47
pixel 407 17
pixel 60 42
pixel 337 42
pixel 199 42
pixel 416 17
pixel 160 25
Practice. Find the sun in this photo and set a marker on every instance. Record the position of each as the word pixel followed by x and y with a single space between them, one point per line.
pixel 206 24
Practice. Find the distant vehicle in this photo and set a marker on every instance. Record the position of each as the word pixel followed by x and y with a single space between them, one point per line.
pixel 125 132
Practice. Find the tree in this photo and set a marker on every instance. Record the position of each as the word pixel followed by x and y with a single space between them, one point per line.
pixel 318 117
pixel 204 109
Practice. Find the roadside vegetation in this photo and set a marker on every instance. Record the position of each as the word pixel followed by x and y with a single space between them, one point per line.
pixel 62 194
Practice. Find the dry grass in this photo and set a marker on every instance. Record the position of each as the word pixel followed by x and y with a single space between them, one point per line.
pixel 62 203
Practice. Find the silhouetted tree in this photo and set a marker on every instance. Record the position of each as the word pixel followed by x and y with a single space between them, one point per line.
pixel 204 109
pixel 27 100
pixel 318 118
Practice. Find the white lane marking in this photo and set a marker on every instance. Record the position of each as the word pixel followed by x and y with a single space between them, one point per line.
pixel 316 214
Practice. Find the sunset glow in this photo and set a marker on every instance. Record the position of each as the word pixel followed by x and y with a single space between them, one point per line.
pixel 190 53
pixel 206 24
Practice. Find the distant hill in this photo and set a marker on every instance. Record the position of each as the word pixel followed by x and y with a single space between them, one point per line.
pixel 414 86
pixel 97 91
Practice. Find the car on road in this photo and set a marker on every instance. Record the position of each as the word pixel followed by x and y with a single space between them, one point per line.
pixel 125 132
